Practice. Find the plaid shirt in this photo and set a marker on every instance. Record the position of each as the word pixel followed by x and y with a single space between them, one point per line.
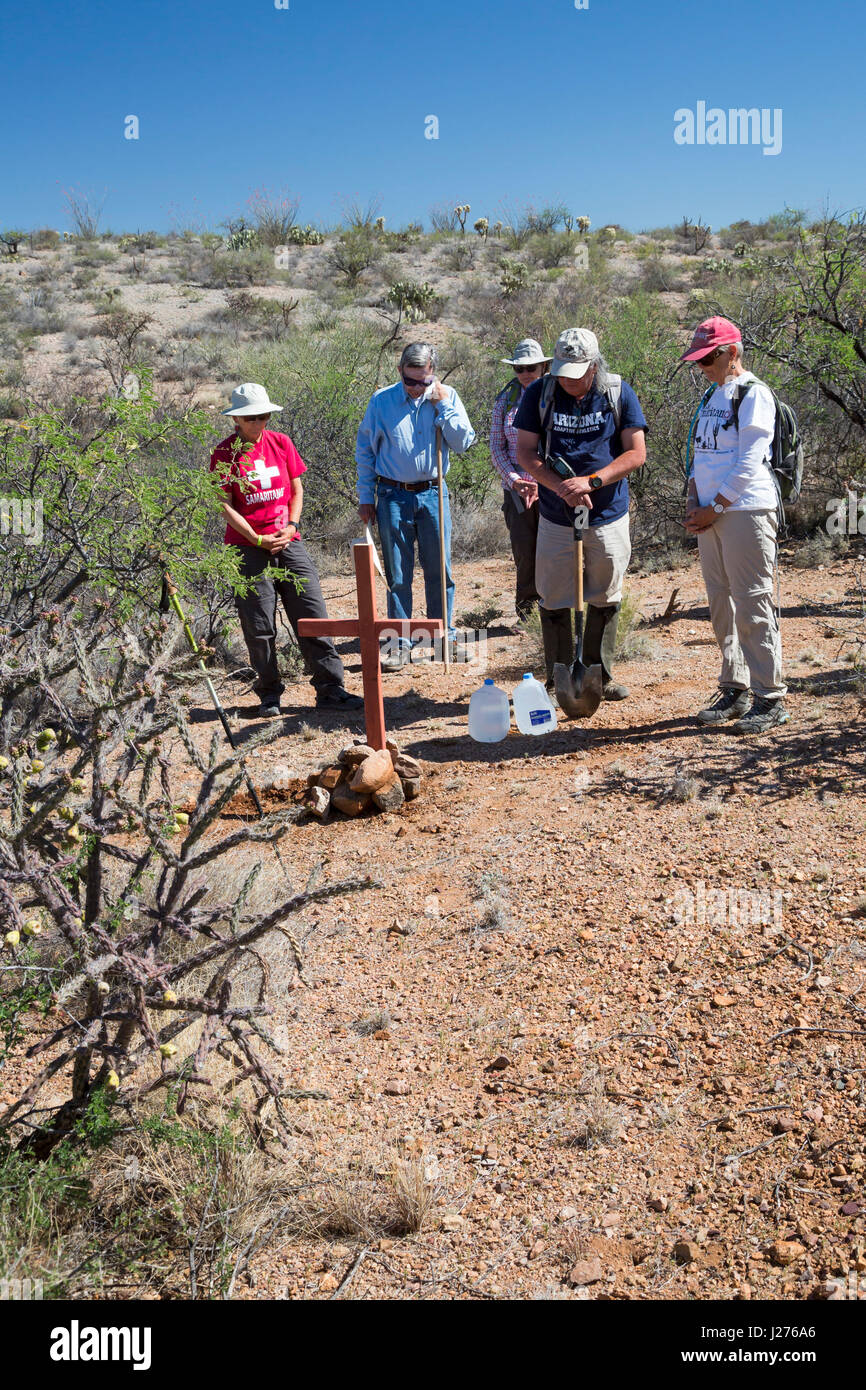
pixel 503 438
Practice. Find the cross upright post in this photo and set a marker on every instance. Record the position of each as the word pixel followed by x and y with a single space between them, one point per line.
pixel 369 627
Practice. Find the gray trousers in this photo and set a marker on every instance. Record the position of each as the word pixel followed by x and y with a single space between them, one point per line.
pixel 258 615
pixel 738 560
pixel 522 523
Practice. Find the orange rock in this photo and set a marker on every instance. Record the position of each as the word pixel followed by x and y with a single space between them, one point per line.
pixel 374 772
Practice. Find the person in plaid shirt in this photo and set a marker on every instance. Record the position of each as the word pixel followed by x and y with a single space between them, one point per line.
pixel 519 490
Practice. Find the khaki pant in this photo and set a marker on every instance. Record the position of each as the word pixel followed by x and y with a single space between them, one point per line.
pixel 606 553
pixel 738 559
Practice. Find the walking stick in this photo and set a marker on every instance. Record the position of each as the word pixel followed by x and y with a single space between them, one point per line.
pixel 170 599
pixel 442 579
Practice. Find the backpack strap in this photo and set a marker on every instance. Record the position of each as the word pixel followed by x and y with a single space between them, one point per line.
pixel 613 392
pixel 510 393
pixel 545 409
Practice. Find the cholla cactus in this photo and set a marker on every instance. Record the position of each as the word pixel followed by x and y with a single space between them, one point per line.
pixel 461 212
pixel 497 229
pixel 609 233
pixel 583 225
pixel 379 224
pixel 482 226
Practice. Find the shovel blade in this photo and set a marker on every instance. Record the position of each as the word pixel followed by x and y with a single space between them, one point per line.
pixel 578 689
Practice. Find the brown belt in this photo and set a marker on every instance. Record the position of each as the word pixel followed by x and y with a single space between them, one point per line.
pixel 408 487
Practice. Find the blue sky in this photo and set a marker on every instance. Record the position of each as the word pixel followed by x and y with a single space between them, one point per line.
pixel 536 100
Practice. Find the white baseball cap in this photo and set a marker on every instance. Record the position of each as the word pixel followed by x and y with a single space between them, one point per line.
pixel 250 399
pixel 575 351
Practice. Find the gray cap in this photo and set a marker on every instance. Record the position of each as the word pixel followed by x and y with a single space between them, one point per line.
pixel 574 353
pixel 528 353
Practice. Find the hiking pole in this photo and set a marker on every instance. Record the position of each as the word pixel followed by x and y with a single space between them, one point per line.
pixel 442 578
pixel 170 599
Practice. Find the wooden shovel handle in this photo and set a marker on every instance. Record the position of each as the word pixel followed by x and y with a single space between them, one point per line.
pixel 578 570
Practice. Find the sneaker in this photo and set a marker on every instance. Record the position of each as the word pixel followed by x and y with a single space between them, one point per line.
pixel 337 697
pixel 764 715
pixel 270 709
pixel 730 703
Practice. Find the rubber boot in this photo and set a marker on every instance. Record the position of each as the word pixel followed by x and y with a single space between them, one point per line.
pixel 558 635
pixel 599 645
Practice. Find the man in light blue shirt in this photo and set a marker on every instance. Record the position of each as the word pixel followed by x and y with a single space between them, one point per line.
pixel 397 482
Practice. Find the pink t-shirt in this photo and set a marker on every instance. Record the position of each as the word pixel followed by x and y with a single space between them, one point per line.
pixel 258 484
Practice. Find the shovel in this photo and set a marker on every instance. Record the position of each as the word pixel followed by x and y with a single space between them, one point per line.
pixel 578 688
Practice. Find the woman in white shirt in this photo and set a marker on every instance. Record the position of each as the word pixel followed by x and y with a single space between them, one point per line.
pixel 732 508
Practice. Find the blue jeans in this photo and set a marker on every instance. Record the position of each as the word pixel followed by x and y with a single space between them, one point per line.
pixel 404 518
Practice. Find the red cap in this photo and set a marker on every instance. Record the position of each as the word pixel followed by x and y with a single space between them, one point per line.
pixel 712 333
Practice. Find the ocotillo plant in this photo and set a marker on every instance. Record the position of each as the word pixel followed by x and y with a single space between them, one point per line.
pixel 105 871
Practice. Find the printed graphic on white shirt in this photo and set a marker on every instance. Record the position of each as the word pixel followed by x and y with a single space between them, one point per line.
pixel 738 457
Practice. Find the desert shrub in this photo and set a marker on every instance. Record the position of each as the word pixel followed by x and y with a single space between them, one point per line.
pixel 458 254
pixel 513 277
pixel 551 248
pixel 355 252
pixel 274 216
pixel 443 217
pixel 45 239
pixel 658 275
pixel 243 267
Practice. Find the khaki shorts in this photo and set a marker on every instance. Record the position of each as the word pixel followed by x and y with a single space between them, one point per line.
pixel 606 553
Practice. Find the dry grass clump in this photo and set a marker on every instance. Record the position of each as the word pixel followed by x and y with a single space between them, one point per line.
pixel 600 1122
pixel 367 1201
pixel 374 1022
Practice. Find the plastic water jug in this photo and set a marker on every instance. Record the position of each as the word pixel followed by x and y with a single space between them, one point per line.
pixel 533 708
pixel 489 715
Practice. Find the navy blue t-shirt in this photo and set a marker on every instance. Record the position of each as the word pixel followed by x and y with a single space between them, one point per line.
pixel 584 433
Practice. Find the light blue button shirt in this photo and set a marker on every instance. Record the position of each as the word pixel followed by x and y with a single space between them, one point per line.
pixel 397 437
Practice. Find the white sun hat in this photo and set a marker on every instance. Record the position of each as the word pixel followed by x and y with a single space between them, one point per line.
pixel 250 399
pixel 528 353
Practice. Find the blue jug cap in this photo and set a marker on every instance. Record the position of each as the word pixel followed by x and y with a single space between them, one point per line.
pixel 488 680
pixel 528 676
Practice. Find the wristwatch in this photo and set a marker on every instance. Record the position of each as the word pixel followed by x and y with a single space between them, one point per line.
pixel 595 481
pixel 718 508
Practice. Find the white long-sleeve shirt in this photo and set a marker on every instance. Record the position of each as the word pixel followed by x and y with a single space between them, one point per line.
pixel 735 462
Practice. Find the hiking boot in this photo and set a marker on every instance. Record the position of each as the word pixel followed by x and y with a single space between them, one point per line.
pixel 558 637
pixel 764 715
pixel 270 709
pixel 730 703
pixel 395 662
pixel 612 690
pixel 599 647
pixel 337 697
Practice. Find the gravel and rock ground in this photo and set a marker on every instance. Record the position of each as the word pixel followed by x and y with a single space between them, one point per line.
pixel 607 1005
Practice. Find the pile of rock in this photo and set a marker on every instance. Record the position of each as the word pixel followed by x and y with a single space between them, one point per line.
pixel 364 776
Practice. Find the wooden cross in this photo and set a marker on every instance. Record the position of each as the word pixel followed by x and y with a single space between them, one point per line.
pixel 368 626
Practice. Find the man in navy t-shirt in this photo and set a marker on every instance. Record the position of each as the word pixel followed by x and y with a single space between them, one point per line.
pixel 597 426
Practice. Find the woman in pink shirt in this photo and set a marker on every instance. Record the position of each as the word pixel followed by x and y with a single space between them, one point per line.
pixel 260 475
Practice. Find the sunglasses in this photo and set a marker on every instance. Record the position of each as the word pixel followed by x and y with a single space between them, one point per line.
pixel 531 368
pixel 710 357
pixel 413 380
pixel 257 417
